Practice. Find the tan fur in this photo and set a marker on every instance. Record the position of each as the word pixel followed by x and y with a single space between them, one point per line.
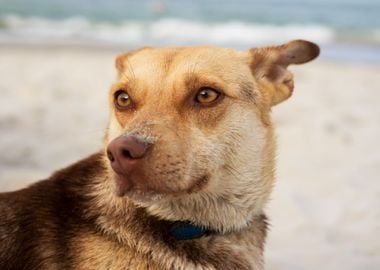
pixel 211 165
pixel 232 143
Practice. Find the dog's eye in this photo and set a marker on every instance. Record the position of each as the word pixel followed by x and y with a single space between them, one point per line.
pixel 206 95
pixel 122 99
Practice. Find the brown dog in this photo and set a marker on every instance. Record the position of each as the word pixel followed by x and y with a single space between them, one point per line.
pixel 186 170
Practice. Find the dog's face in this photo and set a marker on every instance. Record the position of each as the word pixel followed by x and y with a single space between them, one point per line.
pixel 190 135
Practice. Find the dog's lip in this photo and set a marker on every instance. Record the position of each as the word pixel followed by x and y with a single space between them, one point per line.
pixel 126 185
pixel 123 185
pixel 117 171
pixel 198 184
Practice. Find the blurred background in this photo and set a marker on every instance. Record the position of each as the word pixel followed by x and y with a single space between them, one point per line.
pixel 57 63
pixel 239 23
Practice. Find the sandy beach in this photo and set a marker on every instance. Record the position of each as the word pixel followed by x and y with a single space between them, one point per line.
pixel 325 208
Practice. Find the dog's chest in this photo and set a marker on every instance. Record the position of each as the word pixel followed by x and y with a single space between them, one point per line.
pixel 93 252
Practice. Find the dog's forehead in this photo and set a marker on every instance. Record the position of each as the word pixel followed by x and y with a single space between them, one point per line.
pixel 151 63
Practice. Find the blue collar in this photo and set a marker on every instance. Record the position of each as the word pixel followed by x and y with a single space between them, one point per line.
pixel 184 230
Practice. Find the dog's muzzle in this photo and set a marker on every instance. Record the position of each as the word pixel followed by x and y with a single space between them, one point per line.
pixel 126 154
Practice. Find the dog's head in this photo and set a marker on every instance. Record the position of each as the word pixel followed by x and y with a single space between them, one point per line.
pixel 190 135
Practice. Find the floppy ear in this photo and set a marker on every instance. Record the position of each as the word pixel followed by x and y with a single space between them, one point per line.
pixel 269 66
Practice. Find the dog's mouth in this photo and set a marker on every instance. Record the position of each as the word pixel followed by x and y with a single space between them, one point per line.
pixel 144 189
pixel 140 170
pixel 128 185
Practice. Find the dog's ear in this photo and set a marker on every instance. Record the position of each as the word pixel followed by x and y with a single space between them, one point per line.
pixel 122 59
pixel 119 62
pixel 269 66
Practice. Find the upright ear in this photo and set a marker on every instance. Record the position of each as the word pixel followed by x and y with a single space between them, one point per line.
pixel 269 66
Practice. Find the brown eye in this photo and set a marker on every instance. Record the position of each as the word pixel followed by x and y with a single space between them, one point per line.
pixel 206 95
pixel 122 100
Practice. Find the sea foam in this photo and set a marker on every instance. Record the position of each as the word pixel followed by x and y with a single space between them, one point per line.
pixel 163 31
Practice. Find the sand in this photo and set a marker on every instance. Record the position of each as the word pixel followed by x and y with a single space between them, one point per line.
pixel 325 209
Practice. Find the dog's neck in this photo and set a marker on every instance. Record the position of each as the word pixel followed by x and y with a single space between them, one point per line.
pixel 139 221
pixel 184 230
pixel 116 209
pixel 133 226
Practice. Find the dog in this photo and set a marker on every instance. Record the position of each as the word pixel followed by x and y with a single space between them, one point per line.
pixel 186 170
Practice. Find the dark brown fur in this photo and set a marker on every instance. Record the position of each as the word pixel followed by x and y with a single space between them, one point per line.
pixel 46 215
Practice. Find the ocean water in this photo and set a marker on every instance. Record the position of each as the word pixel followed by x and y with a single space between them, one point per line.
pixel 348 29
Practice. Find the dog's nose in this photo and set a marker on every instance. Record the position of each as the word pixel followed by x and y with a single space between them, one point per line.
pixel 124 153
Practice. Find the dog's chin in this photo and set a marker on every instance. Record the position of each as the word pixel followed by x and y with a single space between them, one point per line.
pixel 143 198
pixel 125 187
